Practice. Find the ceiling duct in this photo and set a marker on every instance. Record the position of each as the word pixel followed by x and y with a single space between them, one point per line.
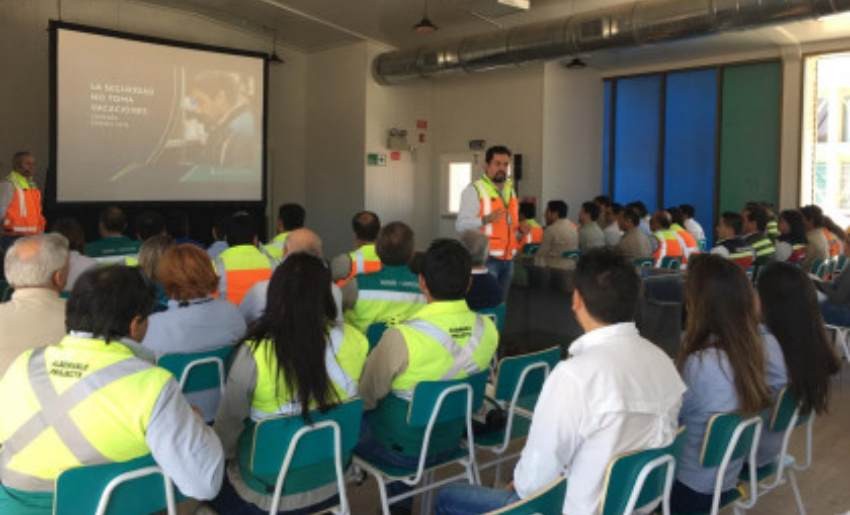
pixel 628 25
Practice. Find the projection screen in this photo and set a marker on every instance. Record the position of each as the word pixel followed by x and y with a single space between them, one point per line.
pixel 148 121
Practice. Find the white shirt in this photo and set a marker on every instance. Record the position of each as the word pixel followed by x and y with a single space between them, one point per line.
pixel 468 215
pixel 693 227
pixel 613 234
pixel 254 302
pixel 617 393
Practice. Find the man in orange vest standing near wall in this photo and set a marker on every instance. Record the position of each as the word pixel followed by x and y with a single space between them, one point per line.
pixel 490 206
pixel 20 199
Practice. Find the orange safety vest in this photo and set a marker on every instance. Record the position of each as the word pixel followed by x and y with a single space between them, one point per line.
pixel 503 244
pixel 240 268
pixel 364 261
pixel 834 244
pixel 534 236
pixel 691 244
pixel 23 216
pixel 669 245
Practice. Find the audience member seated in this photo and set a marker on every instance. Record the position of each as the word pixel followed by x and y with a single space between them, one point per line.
pixel 219 236
pixel 112 242
pixel 179 226
pixel 78 262
pixel 530 232
pixel 729 243
pixel 792 242
pixel 755 218
pixel 691 224
pixel 835 237
pixel 560 235
pixel 669 242
pixel 129 408
pixel 149 255
pixel 299 240
pixel 634 243
pixel 149 224
pixel 421 349
pixel 295 357
pixel 242 265
pixel 804 359
pixel 677 219
pixel 363 259
pixel 723 363
pixel 834 300
pixel 612 231
pixel 37 268
pixel 392 294
pixel 590 235
pixel 289 218
pixel 817 248
pixel 642 212
pixel 484 290
pixel 617 393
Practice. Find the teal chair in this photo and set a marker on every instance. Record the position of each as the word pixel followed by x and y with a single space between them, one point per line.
pixel 575 255
pixel 671 263
pixel 519 380
pixel 432 422
pixel 642 479
pixel 283 455
pixel 199 371
pixel 820 268
pixel 134 487
pixel 549 500
pixel 5 291
pixel 729 437
pixel 785 418
pixel 703 245
pixel 530 249
pixel 840 265
pixel 840 340
pixel 497 314
pixel 644 263
pixel 374 333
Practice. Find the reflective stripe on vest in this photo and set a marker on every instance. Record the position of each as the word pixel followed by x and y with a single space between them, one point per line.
pixel 23 215
pixel 390 295
pixel 54 413
pixel 764 247
pixel 340 378
pixel 670 244
pixel 462 356
pixel 241 267
pixel 502 232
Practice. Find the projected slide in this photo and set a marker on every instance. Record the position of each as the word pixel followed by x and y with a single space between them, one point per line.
pixel 139 121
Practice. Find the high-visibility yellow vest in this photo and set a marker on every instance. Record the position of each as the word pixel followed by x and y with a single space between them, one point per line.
pixel 773 229
pixel 670 244
pixel 23 215
pixel 345 356
pixel 502 232
pixel 364 261
pixel 240 268
pixel 445 341
pixel 390 296
pixel 534 236
pixel 275 247
pixel 80 402
pixel 762 245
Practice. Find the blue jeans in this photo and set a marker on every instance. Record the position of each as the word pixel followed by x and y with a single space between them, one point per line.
pixel 463 499
pixel 835 314
pixel 502 270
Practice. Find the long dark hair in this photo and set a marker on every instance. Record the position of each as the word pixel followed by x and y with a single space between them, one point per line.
pixel 790 310
pixel 299 312
pixel 797 229
pixel 722 314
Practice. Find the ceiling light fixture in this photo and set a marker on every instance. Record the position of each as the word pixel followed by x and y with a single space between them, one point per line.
pixel 576 64
pixel 425 25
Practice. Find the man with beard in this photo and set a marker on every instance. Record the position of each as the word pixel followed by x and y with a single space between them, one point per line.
pixel 229 121
pixel 490 205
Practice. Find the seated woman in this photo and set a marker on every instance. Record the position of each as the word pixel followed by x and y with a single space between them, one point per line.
pixel 792 241
pixel 295 355
pixel 723 364
pixel 790 312
pixel 193 321
pixel 149 253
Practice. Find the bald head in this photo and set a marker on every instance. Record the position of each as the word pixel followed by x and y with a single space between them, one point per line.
pixel 660 220
pixel 303 240
pixel 38 262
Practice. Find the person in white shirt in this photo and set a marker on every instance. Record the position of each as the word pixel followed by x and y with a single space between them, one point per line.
pixel 691 225
pixel 613 233
pixel 617 393
pixel 590 235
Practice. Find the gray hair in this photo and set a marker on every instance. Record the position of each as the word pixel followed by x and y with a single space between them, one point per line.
pixel 32 260
pixel 151 250
pixel 478 246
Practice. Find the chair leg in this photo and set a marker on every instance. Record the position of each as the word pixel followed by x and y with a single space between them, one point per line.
pixel 382 490
pixel 792 479
pixel 427 499
pixel 497 478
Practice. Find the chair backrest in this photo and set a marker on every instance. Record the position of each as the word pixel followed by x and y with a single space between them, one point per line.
pixel 522 377
pixel 725 431
pixel 263 448
pixel 374 333
pixel 497 314
pixel 430 396
pixel 198 371
pixel 530 249
pixel 132 487
pixel 572 254
pixel 671 263
pixel 549 500
pixel 818 267
pixel 644 263
pixel 640 478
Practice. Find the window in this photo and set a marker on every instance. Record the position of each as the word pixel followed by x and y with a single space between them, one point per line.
pixel 845 120
pixel 460 175
pixel 844 197
pixel 820 183
pixel 823 121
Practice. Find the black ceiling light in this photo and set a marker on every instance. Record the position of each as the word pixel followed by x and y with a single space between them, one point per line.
pixel 576 64
pixel 425 25
pixel 274 58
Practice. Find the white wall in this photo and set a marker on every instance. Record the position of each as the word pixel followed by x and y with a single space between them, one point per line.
pixel 25 93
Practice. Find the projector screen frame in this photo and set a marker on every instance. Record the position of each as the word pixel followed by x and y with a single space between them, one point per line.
pixel 50 197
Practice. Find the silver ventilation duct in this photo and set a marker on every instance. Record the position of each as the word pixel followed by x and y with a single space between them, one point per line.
pixel 636 23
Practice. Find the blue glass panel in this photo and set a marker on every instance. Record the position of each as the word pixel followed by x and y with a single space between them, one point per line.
pixel 690 148
pixel 606 138
pixel 636 140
